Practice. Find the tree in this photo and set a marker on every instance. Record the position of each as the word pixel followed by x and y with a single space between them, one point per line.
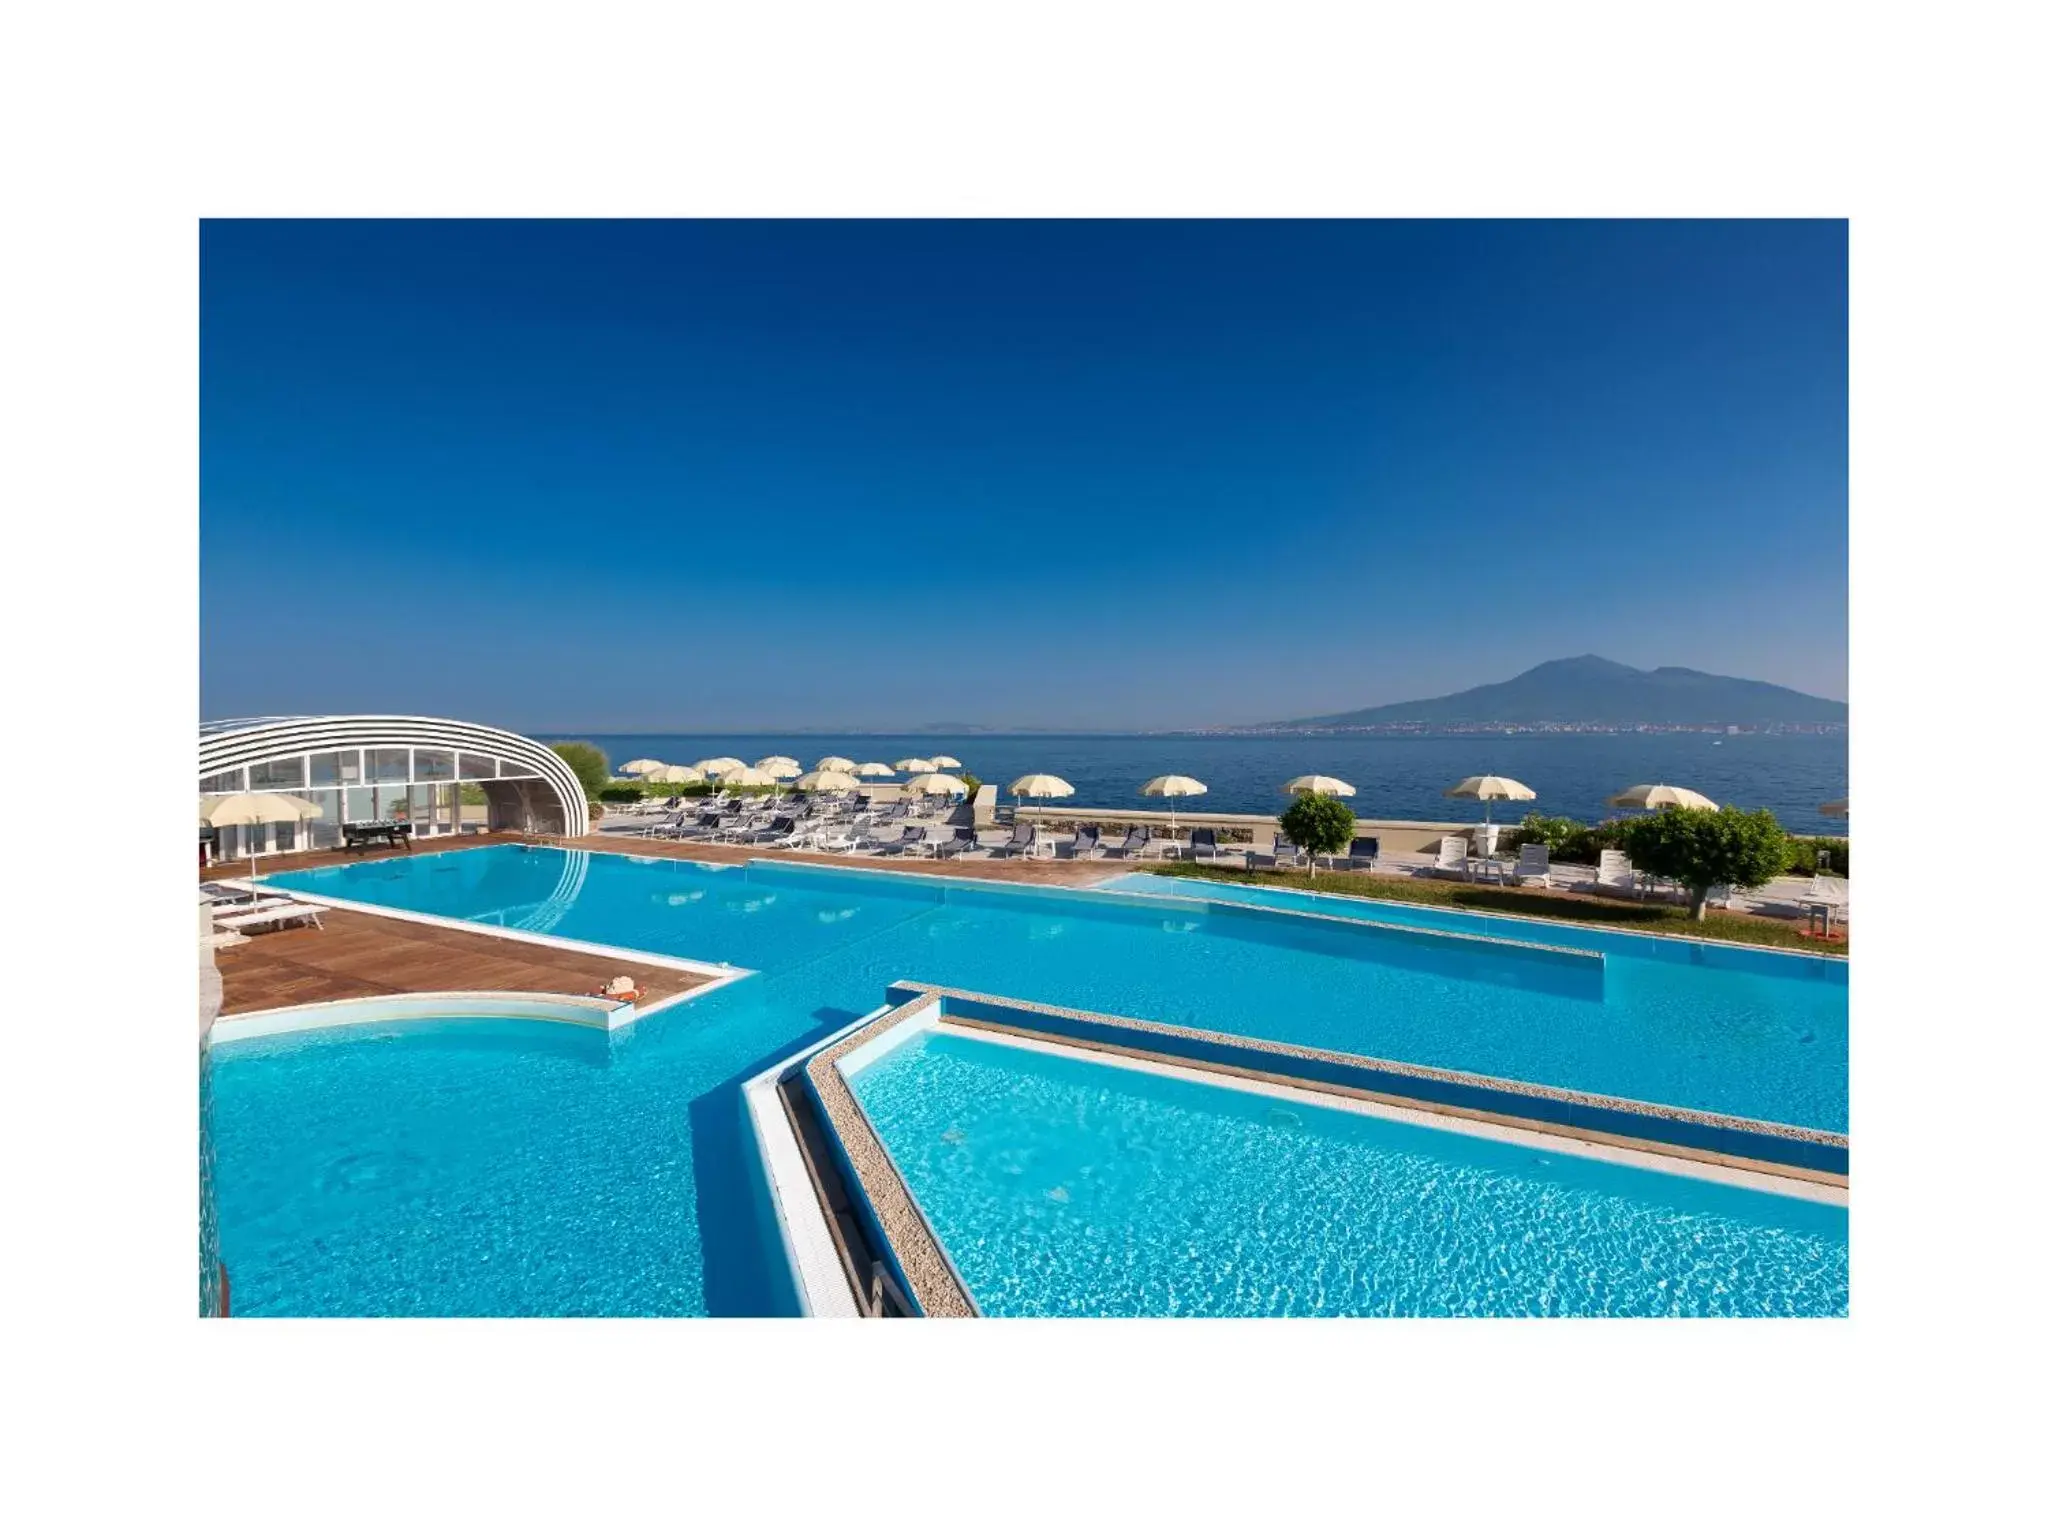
pixel 1703 849
pixel 1318 824
pixel 587 761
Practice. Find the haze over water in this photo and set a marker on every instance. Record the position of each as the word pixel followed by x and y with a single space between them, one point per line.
pixel 1398 777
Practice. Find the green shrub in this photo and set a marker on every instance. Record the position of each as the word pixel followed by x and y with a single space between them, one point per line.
pixel 662 789
pixel 1703 849
pixel 587 761
pixel 1805 851
pixel 622 794
pixel 971 782
pixel 1318 824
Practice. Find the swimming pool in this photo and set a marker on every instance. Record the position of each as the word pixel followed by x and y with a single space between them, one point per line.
pixel 1061 1186
pixel 619 1186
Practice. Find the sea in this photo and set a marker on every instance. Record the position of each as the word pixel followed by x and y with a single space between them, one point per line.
pixel 1398 778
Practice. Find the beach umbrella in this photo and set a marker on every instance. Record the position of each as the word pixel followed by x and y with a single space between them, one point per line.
pixel 748 778
pixel 781 767
pixel 915 765
pixel 936 784
pixel 1317 784
pixel 639 765
pixel 1655 797
pixel 943 761
pixel 827 778
pixel 1041 786
pixel 719 767
pixel 834 765
pixel 677 773
pixel 874 770
pixel 1839 809
pixel 256 810
pixel 1173 786
pixel 1489 788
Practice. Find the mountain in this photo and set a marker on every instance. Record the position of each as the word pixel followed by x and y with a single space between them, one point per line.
pixel 1591 690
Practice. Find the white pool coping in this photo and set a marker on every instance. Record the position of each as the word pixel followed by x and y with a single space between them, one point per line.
pixel 545 1007
pixel 822 1288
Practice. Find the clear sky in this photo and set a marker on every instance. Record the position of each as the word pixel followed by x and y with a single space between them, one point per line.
pixel 690 476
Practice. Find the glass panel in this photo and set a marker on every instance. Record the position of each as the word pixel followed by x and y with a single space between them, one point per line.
pixel 278 773
pixel 476 805
pixel 389 765
pixel 326 832
pixel 284 836
pixel 334 768
pixel 475 767
pixel 428 764
pixel 394 802
pixel 444 808
pixel 512 770
pixel 362 805
pixel 222 783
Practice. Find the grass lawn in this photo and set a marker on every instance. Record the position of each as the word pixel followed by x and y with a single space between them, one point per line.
pixel 1511 901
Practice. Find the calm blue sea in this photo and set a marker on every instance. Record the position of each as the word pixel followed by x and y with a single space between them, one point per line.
pixel 1398 777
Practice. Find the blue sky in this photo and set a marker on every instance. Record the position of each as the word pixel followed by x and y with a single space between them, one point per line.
pixel 695 476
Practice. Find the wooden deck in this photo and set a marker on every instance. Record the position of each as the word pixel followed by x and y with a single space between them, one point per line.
pixel 356 954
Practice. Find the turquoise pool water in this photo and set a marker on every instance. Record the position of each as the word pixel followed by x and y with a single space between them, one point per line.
pixel 1063 1187
pixel 1637 946
pixel 545 1182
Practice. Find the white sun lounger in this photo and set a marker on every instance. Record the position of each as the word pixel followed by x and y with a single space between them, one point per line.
pixel 1615 873
pixel 268 913
pixel 1532 865
pixel 1452 857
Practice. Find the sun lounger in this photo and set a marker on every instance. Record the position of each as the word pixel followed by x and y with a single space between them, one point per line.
pixel 1365 852
pixel 1532 864
pixel 962 841
pixel 1134 843
pixel 777 830
pixel 1452 858
pixel 1024 841
pixel 1087 843
pixel 268 913
pixel 1615 873
pixel 1285 852
pixel 1202 843
pixel 911 839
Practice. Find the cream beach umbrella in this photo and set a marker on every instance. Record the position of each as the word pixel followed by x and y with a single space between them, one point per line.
pixel 834 765
pixel 255 810
pixel 639 766
pixel 1655 797
pixel 1173 786
pixel 935 784
pixel 875 771
pixel 781 767
pixel 677 773
pixel 1839 809
pixel 827 778
pixel 915 765
pixel 1041 786
pixel 1489 788
pixel 1317 784
pixel 744 777
pixel 943 761
pixel 719 767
